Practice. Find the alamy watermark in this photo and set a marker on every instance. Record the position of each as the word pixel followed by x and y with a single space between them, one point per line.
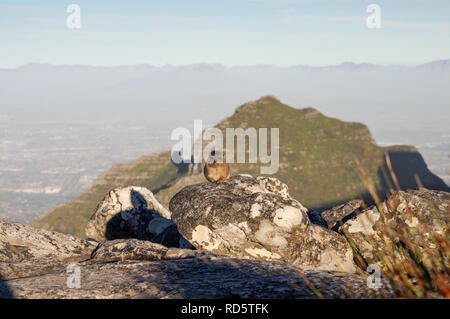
pixel 374 19
pixel 74 276
pixel 73 21
pixel 257 146
pixel 374 280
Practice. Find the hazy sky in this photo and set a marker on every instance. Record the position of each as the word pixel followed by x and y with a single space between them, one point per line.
pixel 231 32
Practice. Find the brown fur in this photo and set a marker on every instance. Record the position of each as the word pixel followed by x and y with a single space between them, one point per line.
pixel 216 172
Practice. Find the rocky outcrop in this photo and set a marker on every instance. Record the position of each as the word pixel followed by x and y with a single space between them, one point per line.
pixel 253 241
pixel 27 251
pixel 419 212
pixel 129 268
pixel 133 212
pixel 256 218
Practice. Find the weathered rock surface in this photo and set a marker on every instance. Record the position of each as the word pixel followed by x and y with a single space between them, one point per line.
pixel 334 216
pixel 134 249
pixel 424 209
pixel 129 268
pixel 27 251
pixel 256 218
pixel 253 240
pixel 134 212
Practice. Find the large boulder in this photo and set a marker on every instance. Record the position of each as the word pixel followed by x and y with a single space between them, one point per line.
pixel 256 218
pixel 133 212
pixel 413 217
pixel 130 268
pixel 27 251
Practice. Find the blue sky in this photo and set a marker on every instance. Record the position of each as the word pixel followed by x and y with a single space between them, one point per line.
pixel 245 32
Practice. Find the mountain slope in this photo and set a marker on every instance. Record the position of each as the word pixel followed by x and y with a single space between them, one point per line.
pixel 317 156
pixel 317 153
pixel 153 171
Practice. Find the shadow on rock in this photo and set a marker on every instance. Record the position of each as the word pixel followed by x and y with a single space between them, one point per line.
pixel 145 223
pixel 5 292
pixel 224 277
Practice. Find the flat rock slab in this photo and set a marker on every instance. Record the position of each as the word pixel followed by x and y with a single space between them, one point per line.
pixel 134 249
pixel 28 251
pixel 208 276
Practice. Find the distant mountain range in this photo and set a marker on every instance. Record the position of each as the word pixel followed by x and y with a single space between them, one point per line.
pixel 443 65
pixel 317 156
pixel 394 95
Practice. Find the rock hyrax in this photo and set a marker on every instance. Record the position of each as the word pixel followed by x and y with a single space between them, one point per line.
pixel 216 170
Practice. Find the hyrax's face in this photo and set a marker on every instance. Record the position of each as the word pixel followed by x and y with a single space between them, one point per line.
pixel 214 157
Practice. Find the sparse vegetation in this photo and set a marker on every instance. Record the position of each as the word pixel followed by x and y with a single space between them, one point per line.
pixel 415 260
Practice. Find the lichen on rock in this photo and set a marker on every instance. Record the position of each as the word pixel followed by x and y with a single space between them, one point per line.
pixel 425 209
pixel 27 250
pixel 256 218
